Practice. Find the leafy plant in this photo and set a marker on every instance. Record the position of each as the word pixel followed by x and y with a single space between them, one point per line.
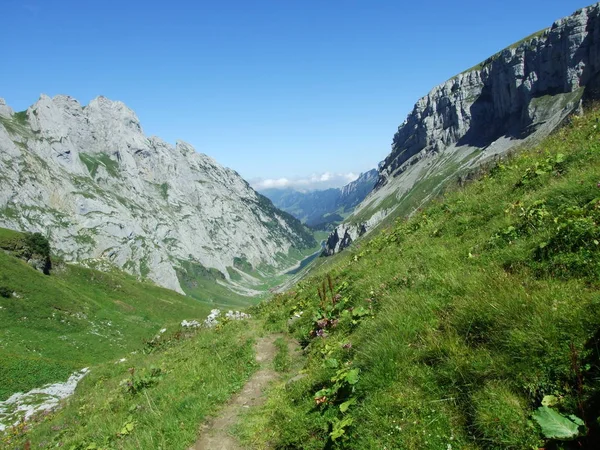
pixel 127 427
pixel 552 164
pixel 341 394
pixel 341 389
pixel 557 426
pixel 136 384
pixel 339 427
pixel 38 244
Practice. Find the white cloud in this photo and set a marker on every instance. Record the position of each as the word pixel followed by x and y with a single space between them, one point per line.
pixel 279 183
pixel 313 182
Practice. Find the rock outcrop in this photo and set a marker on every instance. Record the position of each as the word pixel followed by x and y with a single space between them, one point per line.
pixel 356 191
pixel 518 95
pixel 89 179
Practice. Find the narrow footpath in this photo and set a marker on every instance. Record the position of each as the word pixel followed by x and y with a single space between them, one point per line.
pixel 214 435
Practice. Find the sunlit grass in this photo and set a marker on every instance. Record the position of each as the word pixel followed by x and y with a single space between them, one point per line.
pixel 473 322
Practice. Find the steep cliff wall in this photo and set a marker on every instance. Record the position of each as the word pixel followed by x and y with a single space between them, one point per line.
pixel 91 180
pixel 519 94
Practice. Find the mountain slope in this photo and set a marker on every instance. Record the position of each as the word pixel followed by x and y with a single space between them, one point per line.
pixel 475 324
pixel 320 209
pixel 449 330
pixel 514 98
pixel 99 188
pixel 52 326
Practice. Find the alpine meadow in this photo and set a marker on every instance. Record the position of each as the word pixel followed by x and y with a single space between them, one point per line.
pixel 152 298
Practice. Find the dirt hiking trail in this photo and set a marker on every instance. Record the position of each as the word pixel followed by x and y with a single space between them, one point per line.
pixel 214 434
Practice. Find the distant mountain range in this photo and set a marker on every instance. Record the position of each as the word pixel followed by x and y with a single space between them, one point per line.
pixel 323 209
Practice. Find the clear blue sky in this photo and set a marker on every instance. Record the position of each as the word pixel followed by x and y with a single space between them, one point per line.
pixel 270 88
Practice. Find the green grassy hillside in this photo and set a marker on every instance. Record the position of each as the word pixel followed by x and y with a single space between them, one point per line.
pixel 52 325
pixel 473 325
pixel 155 400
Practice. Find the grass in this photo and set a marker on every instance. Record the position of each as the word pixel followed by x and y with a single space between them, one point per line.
pixel 154 401
pixel 282 360
pixel 93 162
pixel 449 329
pixel 74 318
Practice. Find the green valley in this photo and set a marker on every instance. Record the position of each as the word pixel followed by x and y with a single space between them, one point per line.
pixel 151 298
pixel 457 328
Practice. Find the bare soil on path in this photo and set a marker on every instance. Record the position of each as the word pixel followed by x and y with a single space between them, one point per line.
pixel 214 435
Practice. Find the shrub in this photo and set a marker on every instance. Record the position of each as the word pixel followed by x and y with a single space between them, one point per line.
pixel 38 244
pixel 5 292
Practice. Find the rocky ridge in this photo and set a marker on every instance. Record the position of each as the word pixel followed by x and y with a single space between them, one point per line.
pixel 517 96
pixel 101 190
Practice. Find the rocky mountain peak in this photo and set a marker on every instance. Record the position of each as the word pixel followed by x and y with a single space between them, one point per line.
pixel 5 110
pixel 101 110
pixel 91 180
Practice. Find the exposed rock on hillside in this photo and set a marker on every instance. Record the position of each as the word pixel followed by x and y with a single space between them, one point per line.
pixel 518 95
pixel 90 178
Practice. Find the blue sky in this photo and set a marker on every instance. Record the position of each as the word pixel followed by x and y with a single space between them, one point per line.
pixel 275 89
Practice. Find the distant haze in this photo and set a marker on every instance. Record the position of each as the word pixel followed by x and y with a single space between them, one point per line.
pixel 313 182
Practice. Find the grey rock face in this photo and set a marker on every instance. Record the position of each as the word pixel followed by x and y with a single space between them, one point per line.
pixel 520 94
pixel 5 110
pixel 355 192
pixel 102 190
pixel 503 97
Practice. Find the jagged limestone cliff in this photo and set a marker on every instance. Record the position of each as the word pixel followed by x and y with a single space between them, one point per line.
pixel 91 180
pixel 514 97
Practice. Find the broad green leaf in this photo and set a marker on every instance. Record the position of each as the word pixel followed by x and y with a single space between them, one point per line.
pixel 337 433
pixel 352 376
pixel 549 400
pixel 331 363
pixel 554 425
pixel 576 419
pixel 347 404
pixel 360 312
pixel 339 428
pixel 321 393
